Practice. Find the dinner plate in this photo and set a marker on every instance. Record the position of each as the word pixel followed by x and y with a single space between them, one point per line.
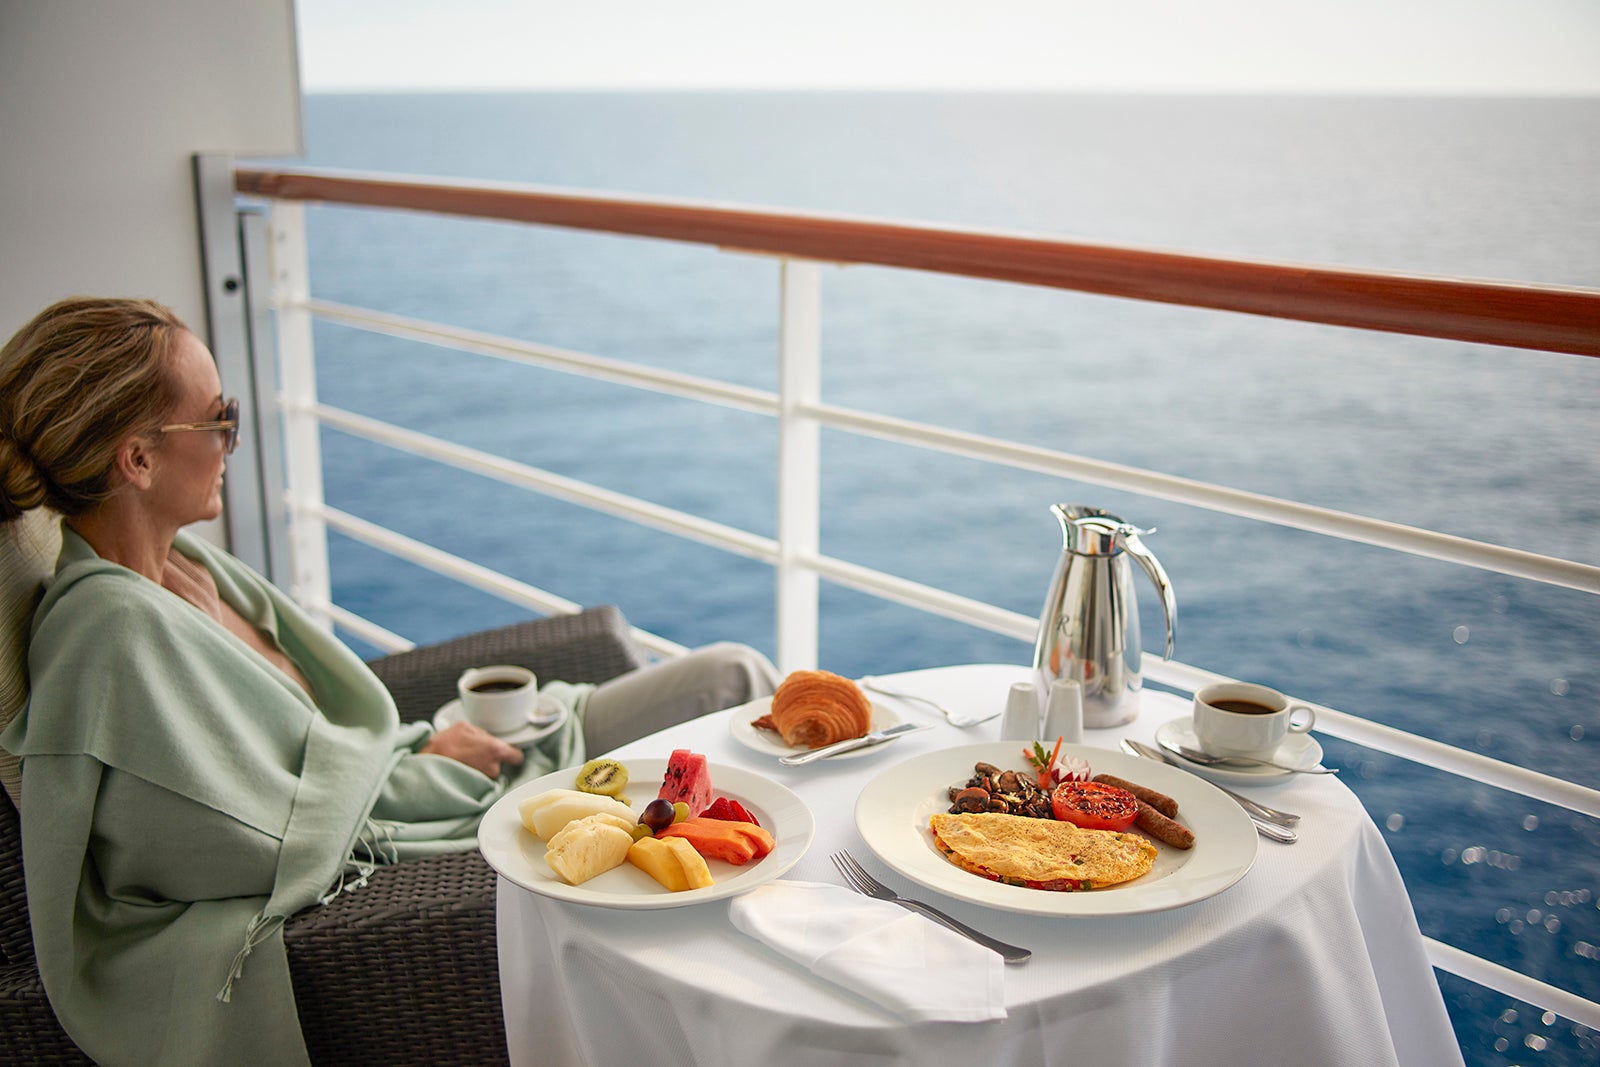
pixel 893 810
pixel 1297 750
pixel 769 743
pixel 544 718
pixel 518 855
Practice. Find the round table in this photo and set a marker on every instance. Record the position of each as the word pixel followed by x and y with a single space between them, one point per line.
pixel 1314 956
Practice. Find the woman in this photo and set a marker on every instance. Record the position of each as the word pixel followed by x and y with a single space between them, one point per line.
pixel 200 760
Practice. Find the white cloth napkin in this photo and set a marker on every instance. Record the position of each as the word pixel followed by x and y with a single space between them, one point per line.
pixel 903 961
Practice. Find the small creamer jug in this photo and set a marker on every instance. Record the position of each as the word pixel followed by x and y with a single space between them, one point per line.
pixel 1089 629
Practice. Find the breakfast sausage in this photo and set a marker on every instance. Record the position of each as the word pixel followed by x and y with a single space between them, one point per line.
pixel 1162 828
pixel 1160 801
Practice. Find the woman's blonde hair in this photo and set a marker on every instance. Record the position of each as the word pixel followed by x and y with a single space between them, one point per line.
pixel 79 379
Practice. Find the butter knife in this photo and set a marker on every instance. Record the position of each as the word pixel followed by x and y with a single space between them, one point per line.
pixel 876 737
pixel 1257 811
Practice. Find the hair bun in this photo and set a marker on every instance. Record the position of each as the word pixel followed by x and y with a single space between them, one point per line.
pixel 22 486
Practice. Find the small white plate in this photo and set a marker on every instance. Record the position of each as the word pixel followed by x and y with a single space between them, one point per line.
pixel 519 856
pixel 544 719
pixel 892 815
pixel 769 743
pixel 1297 750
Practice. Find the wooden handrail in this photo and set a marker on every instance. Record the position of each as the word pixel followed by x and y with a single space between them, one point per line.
pixel 1543 317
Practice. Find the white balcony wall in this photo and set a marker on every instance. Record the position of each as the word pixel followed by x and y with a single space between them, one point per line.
pixel 102 106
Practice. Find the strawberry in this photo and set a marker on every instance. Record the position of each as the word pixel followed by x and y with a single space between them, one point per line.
pixel 729 811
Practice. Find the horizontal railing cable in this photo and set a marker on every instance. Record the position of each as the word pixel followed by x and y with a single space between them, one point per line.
pixel 1543 317
pixel 1513 983
pixel 464 571
pixel 620 505
pixel 1237 502
pixel 926 598
pixel 619 372
pixel 378 637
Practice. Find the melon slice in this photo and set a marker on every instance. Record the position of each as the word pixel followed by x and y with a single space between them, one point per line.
pixel 672 862
pixel 687 780
pixel 545 814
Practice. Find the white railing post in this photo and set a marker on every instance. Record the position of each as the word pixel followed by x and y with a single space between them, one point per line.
pixel 227 331
pixel 310 584
pixel 799 463
pixel 266 396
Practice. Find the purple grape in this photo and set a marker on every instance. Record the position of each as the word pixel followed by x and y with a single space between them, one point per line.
pixel 658 815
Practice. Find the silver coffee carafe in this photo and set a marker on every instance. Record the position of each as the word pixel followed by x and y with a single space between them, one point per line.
pixel 1089 629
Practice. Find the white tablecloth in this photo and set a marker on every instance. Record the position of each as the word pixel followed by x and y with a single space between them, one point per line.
pixel 1313 958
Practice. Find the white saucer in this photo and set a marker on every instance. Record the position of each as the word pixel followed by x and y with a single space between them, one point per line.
pixel 546 718
pixel 765 741
pixel 1297 750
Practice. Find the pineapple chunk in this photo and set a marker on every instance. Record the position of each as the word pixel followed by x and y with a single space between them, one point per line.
pixel 671 861
pixel 609 818
pixel 587 847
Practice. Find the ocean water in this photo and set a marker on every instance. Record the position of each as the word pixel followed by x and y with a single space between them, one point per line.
pixel 1484 442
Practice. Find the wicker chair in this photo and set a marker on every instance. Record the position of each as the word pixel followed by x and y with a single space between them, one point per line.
pixel 402 971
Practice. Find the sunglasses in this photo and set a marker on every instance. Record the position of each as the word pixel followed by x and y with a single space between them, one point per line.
pixel 229 423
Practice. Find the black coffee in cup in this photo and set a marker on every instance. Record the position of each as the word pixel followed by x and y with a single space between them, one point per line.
pixel 495 686
pixel 1243 707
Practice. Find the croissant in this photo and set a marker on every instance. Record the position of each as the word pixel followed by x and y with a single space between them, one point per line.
pixel 816 708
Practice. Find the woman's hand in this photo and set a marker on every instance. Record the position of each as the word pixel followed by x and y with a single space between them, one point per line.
pixel 474 746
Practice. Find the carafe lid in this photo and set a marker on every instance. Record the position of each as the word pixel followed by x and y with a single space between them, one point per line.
pixel 1091 531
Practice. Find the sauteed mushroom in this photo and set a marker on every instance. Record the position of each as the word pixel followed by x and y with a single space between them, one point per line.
pixel 1006 792
pixel 972 798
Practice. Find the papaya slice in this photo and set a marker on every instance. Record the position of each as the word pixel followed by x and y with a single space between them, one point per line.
pixel 717 839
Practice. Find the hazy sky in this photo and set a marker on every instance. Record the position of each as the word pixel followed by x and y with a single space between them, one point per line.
pixel 1487 46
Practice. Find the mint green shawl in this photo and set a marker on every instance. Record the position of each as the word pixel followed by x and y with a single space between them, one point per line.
pixel 182 797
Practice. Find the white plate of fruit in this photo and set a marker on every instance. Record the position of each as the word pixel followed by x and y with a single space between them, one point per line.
pixel 661 833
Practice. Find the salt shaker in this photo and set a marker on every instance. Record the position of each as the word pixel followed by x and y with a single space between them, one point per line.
pixel 1021 721
pixel 1063 716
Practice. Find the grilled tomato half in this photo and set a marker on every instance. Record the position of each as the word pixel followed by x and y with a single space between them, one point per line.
pixel 1094 806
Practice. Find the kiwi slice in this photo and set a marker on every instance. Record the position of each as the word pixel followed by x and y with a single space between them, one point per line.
pixel 604 776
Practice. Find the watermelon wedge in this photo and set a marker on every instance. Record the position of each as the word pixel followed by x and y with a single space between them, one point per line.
pixel 687 779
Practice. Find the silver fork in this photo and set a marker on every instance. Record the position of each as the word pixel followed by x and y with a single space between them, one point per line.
pixel 955 718
pixel 866 885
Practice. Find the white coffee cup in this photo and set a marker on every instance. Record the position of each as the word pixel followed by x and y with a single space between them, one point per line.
pixel 498 699
pixel 1241 719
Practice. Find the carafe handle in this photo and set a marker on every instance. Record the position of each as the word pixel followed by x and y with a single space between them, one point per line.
pixel 1158 577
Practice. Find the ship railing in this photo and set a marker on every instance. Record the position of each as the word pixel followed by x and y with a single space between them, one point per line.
pixel 261 313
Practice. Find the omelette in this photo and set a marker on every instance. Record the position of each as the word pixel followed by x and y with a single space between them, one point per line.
pixel 1040 853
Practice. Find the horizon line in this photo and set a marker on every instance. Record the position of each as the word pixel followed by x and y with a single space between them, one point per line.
pixel 985 90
